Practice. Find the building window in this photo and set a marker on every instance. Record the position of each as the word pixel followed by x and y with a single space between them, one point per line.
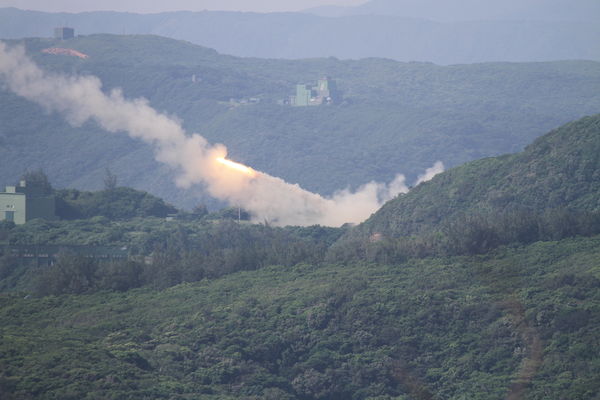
pixel 9 216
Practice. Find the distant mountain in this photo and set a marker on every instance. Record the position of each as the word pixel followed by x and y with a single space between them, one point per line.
pixel 560 170
pixel 296 35
pixel 396 117
pixel 473 10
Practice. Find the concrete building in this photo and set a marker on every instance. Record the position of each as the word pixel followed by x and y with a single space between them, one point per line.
pixel 23 203
pixel 13 206
pixel 303 95
pixel 325 92
pixel 64 33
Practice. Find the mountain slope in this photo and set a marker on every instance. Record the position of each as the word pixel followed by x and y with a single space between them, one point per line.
pixel 396 117
pixel 296 35
pixel 559 170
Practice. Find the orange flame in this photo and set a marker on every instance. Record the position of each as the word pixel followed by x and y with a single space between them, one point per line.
pixel 237 166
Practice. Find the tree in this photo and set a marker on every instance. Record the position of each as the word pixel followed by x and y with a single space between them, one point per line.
pixel 5 226
pixel 200 211
pixel 110 180
pixel 70 274
pixel 37 178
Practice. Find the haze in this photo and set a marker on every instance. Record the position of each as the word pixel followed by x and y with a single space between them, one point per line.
pixel 144 6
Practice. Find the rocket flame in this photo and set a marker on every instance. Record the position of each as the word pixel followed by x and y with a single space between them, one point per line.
pixel 237 166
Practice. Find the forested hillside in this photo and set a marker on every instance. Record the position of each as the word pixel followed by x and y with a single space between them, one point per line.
pixel 395 117
pixel 518 322
pixel 560 170
pixel 207 306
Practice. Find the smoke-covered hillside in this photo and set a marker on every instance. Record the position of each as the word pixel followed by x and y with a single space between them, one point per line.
pixel 296 35
pixel 395 117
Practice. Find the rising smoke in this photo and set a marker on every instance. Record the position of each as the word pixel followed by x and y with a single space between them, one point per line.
pixel 437 168
pixel 267 198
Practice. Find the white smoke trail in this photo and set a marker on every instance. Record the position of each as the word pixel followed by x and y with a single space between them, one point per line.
pixel 267 198
pixel 437 168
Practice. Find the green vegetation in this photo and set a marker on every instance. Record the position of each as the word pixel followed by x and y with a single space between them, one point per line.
pixel 185 250
pixel 468 235
pixel 396 117
pixel 116 203
pixel 425 329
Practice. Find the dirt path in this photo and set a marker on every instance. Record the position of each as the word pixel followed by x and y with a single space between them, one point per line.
pixel 534 349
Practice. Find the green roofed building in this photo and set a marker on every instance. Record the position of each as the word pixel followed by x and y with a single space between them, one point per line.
pixel 23 203
pixel 303 95
pixel 325 92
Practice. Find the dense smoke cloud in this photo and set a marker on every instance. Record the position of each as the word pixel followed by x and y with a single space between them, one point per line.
pixel 267 198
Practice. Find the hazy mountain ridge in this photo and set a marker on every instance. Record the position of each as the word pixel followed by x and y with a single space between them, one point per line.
pixel 473 10
pixel 415 114
pixel 297 35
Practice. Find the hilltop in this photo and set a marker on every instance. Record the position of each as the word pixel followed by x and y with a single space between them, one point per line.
pixel 395 117
pixel 557 171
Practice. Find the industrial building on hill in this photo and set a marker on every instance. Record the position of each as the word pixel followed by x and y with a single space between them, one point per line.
pixel 325 92
pixel 22 203
pixel 64 33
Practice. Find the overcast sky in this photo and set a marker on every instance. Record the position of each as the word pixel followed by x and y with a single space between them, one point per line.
pixel 150 6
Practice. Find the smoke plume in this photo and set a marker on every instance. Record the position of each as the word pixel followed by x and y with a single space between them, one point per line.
pixel 267 198
pixel 437 168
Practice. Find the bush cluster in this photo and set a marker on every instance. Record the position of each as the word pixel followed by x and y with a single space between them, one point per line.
pixel 471 234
